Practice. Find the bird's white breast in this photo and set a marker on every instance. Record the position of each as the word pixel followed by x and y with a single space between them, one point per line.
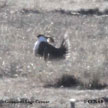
pixel 37 43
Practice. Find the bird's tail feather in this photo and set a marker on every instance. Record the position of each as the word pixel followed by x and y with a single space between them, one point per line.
pixel 65 45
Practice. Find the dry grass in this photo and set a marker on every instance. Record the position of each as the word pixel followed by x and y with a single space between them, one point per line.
pixel 85 69
pixel 88 47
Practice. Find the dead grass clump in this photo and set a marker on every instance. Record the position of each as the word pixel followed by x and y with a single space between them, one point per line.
pixel 27 11
pixel 45 107
pixel 90 11
pixel 94 11
pixel 13 70
pixel 3 4
pixel 94 82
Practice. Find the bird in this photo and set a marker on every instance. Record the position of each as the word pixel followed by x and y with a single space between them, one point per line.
pixel 43 47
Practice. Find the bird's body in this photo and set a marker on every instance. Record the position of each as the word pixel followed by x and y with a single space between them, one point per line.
pixel 44 49
pixel 37 43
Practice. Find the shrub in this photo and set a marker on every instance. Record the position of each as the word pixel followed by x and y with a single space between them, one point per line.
pixel 65 81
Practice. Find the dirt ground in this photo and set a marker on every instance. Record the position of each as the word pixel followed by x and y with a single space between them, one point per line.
pixel 22 75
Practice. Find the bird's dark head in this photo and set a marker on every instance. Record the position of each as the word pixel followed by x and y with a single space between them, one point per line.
pixel 41 35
